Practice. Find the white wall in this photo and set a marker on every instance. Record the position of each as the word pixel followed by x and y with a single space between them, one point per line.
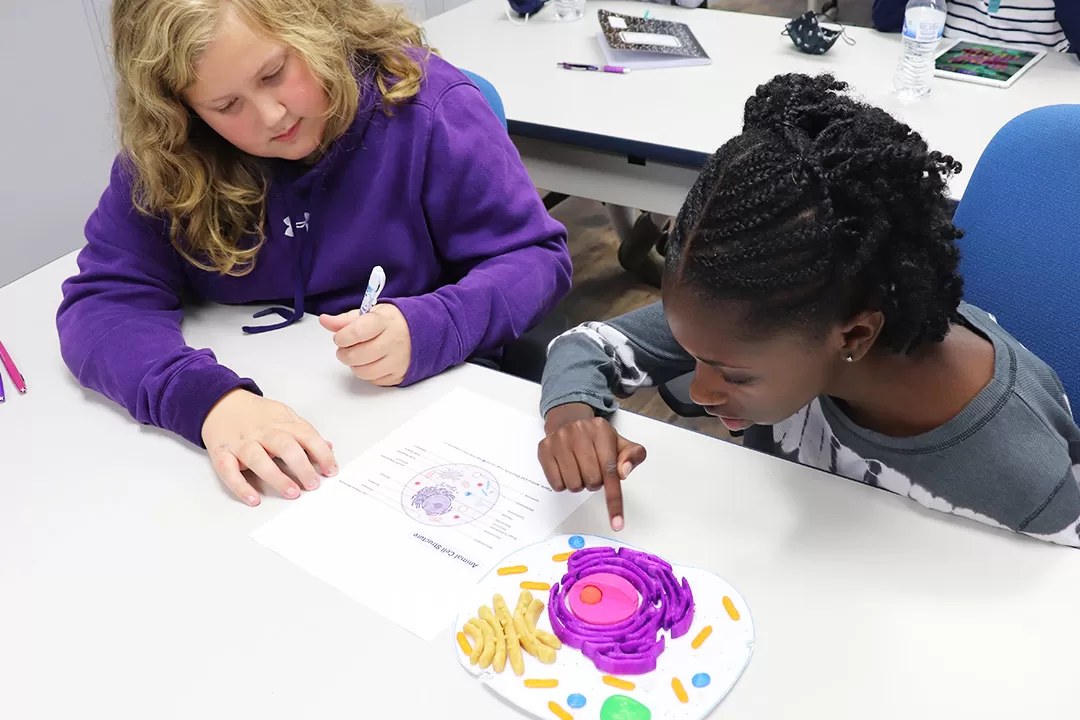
pixel 420 10
pixel 56 137
pixel 435 7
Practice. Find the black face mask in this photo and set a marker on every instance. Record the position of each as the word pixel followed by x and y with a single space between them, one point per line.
pixel 810 36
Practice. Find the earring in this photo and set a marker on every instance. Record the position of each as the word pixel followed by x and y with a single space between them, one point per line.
pixel 849 358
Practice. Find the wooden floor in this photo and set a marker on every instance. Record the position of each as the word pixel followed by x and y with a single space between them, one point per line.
pixel 602 289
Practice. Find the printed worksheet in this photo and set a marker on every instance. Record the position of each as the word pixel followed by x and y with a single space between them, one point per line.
pixel 421 516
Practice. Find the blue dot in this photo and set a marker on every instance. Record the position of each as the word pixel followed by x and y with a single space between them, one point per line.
pixel 468 494
pixel 701 680
pixel 577 542
pixel 577 700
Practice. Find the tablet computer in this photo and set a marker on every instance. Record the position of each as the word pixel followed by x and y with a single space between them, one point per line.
pixel 985 63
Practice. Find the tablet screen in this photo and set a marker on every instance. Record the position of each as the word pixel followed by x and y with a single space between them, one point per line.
pixel 990 62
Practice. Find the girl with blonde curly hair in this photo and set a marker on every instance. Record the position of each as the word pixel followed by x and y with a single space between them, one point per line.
pixel 281 149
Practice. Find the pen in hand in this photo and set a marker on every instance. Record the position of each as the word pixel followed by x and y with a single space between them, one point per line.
pixel 374 288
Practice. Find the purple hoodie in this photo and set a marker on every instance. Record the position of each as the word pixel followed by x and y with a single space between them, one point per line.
pixel 436 194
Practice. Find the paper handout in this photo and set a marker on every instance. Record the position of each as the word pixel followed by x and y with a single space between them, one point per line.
pixel 433 506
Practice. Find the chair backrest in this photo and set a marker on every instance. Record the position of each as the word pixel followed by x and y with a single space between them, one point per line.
pixel 1020 256
pixel 490 94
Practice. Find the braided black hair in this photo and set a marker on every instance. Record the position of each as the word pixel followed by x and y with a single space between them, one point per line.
pixel 822 208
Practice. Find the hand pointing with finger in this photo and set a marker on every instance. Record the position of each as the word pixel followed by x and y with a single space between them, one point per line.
pixel 583 452
pixel 376 346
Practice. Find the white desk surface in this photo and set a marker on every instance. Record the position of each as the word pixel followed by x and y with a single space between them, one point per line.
pixel 700 108
pixel 129 587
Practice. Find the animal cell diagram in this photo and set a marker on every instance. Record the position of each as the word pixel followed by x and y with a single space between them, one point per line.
pixel 452 494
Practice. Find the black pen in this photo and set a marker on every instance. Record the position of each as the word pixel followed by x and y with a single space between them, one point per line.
pixel 594 68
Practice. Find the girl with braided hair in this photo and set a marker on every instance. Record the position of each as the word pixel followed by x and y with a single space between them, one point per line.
pixel 811 284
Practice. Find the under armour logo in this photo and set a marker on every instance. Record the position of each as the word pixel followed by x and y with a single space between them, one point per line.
pixel 301 225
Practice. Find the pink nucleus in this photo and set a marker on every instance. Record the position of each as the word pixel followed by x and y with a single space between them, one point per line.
pixel 603 599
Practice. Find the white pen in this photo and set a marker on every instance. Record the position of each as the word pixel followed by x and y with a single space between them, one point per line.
pixel 374 287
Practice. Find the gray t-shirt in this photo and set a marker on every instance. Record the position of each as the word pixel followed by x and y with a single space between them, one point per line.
pixel 1011 458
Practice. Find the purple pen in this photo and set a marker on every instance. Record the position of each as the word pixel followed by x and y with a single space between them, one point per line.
pixel 595 68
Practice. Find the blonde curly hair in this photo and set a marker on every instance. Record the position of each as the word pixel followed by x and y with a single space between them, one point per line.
pixel 214 195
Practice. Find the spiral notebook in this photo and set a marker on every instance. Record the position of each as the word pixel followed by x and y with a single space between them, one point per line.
pixel 648 43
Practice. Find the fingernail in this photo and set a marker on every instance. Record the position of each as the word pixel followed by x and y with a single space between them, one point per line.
pixel 252 500
pixel 313 485
pixel 626 468
pixel 616 523
pixel 292 493
pixel 331 471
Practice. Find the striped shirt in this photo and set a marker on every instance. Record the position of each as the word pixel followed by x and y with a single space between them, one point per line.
pixel 1027 24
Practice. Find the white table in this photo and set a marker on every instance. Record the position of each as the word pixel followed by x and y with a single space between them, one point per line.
pixel 575 130
pixel 129 587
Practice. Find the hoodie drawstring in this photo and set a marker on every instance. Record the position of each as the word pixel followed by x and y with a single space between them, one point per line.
pixel 302 268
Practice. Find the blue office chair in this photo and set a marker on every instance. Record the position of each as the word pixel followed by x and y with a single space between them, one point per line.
pixel 525 357
pixel 1020 257
pixel 490 94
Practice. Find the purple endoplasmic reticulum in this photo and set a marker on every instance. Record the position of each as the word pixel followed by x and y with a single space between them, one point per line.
pixel 631 646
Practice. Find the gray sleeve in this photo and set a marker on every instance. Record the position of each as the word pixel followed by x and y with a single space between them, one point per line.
pixel 1058 519
pixel 597 362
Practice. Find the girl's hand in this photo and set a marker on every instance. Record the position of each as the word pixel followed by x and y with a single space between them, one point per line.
pixel 246 432
pixel 376 346
pixel 584 451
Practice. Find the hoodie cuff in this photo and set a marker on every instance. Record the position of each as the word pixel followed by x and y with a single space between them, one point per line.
pixel 194 392
pixel 435 341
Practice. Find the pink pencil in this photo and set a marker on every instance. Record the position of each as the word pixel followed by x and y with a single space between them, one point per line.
pixel 20 383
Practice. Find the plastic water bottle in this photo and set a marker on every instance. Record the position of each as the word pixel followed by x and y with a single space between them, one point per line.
pixel 569 10
pixel 924 22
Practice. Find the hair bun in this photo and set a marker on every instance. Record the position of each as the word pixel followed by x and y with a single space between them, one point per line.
pixel 792 105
